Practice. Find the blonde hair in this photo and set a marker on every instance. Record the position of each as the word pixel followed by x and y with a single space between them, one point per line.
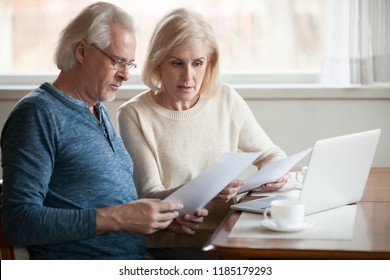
pixel 180 29
pixel 92 24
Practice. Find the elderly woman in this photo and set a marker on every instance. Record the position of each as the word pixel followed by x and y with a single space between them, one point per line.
pixel 185 121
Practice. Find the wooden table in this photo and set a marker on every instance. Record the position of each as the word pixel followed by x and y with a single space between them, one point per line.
pixel 371 238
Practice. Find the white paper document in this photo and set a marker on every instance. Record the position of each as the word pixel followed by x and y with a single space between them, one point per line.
pixel 272 171
pixel 334 224
pixel 203 188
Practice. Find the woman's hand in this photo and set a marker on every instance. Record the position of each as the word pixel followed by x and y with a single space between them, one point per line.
pixel 189 223
pixel 274 186
pixel 229 192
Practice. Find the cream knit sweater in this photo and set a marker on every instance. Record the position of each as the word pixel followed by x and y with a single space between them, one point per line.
pixel 169 148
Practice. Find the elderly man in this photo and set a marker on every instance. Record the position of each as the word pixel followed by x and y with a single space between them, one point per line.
pixel 68 187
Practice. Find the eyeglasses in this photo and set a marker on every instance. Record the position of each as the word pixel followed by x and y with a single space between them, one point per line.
pixel 118 64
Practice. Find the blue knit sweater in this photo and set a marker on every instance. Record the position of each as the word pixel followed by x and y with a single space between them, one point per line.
pixel 60 163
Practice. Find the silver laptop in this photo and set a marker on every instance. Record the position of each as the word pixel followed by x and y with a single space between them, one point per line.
pixel 336 176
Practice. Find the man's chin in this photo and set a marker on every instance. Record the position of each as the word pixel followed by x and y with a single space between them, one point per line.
pixel 109 97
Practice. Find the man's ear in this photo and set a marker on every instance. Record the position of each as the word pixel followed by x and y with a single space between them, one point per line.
pixel 79 51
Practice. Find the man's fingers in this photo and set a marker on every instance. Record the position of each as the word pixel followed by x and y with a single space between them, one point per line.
pixel 167 206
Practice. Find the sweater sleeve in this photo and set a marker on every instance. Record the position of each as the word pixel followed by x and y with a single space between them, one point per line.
pixel 146 172
pixel 252 137
pixel 28 155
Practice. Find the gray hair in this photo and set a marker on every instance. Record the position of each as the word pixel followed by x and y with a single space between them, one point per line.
pixel 178 30
pixel 92 24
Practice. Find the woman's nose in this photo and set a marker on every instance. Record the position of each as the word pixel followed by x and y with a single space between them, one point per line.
pixel 186 73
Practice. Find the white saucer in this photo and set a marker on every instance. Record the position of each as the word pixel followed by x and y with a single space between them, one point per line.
pixel 269 224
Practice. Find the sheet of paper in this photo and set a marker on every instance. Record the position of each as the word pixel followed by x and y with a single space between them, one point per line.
pixel 334 224
pixel 272 171
pixel 203 188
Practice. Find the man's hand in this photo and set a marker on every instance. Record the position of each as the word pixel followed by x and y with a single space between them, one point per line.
pixel 143 216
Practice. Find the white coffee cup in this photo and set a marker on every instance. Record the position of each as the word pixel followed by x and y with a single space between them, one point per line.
pixel 300 175
pixel 286 213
